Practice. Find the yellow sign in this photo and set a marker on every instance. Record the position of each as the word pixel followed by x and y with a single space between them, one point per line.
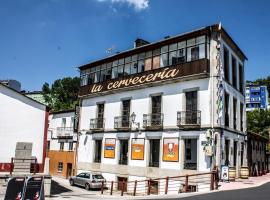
pixel 171 149
pixel 109 148
pixel 137 149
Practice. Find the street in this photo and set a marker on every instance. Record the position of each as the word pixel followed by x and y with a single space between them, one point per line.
pixel 261 192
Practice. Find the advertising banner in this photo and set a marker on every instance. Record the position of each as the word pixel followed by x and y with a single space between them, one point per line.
pixel 109 148
pixel 137 149
pixel 170 149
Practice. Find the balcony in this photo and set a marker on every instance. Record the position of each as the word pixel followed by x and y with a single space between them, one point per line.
pixel 153 121
pixel 189 119
pixel 97 124
pixel 122 123
pixel 64 132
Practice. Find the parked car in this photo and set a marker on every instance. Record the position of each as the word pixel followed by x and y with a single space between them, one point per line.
pixel 88 180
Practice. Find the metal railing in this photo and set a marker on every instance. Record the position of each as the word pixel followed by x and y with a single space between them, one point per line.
pixel 164 186
pixel 64 131
pixel 97 124
pixel 153 120
pixel 189 118
pixel 122 122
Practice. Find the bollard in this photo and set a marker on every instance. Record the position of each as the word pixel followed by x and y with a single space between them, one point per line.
pixel 212 180
pixel 186 184
pixel 111 188
pixel 149 187
pixel 216 179
pixel 166 185
pixel 135 187
pixel 102 187
pixel 123 185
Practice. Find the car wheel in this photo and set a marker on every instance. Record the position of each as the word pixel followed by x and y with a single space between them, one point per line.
pixel 71 182
pixel 87 186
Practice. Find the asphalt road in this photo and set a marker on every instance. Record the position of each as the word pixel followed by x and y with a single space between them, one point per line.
pixel 256 193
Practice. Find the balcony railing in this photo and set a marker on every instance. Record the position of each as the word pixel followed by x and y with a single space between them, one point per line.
pixel 189 119
pixel 97 124
pixel 65 131
pixel 153 121
pixel 122 123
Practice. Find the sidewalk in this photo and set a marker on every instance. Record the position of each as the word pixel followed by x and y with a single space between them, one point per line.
pixel 245 183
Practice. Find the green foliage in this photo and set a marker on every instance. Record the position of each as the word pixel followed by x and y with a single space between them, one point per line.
pixel 258 121
pixel 262 81
pixel 63 93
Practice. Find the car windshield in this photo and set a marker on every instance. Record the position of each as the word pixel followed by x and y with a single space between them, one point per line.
pixel 97 176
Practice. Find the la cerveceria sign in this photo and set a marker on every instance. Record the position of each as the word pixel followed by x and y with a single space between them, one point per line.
pixel 147 77
pixel 165 73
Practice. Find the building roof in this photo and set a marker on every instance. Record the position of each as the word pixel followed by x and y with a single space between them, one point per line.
pixel 23 95
pixel 166 40
pixel 62 111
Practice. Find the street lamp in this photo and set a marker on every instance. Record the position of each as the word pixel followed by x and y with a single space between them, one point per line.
pixel 133 118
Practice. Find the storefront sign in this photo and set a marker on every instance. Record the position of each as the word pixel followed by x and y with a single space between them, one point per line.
pixel 137 149
pixel 225 173
pixel 109 148
pixel 170 149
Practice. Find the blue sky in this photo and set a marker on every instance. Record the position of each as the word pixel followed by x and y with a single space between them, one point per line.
pixel 41 41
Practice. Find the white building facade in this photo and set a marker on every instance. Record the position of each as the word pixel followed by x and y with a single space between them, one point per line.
pixel 164 109
pixel 22 120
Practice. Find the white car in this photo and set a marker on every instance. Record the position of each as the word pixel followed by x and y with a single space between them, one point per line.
pixel 88 180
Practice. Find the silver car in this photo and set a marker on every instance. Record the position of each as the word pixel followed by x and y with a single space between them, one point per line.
pixel 88 180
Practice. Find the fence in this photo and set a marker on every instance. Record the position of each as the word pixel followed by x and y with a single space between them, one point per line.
pixel 169 185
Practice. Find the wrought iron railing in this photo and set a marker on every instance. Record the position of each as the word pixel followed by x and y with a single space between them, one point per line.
pixel 122 122
pixel 186 118
pixel 97 124
pixel 64 131
pixel 153 120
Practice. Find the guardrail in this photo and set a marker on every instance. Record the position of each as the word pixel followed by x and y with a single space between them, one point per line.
pixel 169 185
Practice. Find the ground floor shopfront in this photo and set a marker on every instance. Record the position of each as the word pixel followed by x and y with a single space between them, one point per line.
pixel 62 163
pixel 156 154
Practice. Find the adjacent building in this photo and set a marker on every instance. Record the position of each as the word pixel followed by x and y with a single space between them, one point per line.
pixel 16 85
pixel 24 124
pixel 36 95
pixel 167 108
pixel 256 97
pixel 61 144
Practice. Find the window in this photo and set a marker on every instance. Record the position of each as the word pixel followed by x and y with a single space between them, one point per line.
pixel 140 65
pixel 48 145
pixel 164 60
pixel 60 167
pixel 156 104
pixel 241 117
pixel 196 48
pixel 241 78
pixel 114 72
pixel 234 113
pixel 62 146
pixel 127 69
pixel 156 62
pixel 70 146
pixel 227 108
pixel 121 71
pixel 148 64
pixel 72 122
pixel 126 113
pixel 226 64
pixel 134 68
pixel 64 122
pixel 234 73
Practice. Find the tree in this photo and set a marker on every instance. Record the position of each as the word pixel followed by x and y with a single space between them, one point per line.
pixel 258 121
pixel 63 93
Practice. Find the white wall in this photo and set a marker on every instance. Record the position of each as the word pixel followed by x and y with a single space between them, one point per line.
pixel 21 120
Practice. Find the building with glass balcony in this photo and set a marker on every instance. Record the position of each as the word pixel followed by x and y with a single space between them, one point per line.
pixel 256 97
pixel 166 108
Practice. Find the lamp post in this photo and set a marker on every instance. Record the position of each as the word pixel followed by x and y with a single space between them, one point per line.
pixel 133 118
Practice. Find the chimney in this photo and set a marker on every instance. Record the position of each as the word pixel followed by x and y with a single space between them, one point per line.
pixel 140 42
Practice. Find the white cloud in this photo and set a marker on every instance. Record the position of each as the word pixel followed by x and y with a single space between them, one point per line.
pixel 137 4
